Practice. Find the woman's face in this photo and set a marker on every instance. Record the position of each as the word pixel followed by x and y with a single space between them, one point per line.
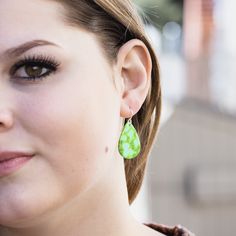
pixel 69 119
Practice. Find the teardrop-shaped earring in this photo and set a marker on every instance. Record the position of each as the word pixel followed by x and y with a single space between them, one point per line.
pixel 129 144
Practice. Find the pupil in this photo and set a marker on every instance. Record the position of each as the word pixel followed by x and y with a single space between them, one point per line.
pixel 33 71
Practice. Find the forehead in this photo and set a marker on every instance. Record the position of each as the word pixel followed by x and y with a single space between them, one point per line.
pixel 27 19
pixel 28 11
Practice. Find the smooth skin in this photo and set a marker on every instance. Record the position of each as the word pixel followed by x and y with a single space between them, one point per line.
pixel 71 120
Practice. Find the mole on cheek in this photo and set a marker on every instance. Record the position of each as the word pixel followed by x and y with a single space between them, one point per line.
pixel 106 149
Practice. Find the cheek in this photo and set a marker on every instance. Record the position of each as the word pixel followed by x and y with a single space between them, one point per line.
pixel 73 126
pixel 74 130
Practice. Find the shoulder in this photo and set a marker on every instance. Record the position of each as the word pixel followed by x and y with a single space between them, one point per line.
pixel 169 231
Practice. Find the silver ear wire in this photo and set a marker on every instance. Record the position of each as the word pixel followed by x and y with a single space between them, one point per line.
pixel 130 119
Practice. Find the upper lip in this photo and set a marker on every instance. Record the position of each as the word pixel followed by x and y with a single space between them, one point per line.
pixel 6 155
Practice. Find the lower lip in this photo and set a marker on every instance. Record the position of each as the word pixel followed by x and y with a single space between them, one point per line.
pixel 11 165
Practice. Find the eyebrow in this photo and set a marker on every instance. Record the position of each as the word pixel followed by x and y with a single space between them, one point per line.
pixel 17 51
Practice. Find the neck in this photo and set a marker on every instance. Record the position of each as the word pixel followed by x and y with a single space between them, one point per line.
pixel 102 210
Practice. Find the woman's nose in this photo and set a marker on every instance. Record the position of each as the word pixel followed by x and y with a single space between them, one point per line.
pixel 6 119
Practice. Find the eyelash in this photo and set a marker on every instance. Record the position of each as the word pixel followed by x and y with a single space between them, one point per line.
pixel 40 61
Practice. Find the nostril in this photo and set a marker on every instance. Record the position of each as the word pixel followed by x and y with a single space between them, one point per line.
pixel 6 119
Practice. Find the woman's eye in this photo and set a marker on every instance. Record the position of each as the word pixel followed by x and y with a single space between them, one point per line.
pixel 33 68
pixel 32 71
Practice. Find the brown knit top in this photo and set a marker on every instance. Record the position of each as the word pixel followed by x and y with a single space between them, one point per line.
pixel 170 231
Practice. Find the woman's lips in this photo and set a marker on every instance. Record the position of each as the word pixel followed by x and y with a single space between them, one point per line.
pixel 12 161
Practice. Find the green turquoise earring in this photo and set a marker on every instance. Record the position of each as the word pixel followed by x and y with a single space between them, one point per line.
pixel 129 144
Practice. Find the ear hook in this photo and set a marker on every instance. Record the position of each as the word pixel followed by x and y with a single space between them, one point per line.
pixel 129 120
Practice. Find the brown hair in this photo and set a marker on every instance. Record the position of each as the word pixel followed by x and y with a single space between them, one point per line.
pixel 115 22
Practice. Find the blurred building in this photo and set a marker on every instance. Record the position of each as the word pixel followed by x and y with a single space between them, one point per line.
pixel 191 176
pixel 192 170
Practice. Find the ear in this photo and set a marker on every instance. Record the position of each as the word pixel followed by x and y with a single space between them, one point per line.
pixel 134 66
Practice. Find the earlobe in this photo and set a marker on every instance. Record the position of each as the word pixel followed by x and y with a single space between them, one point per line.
pixel 134 67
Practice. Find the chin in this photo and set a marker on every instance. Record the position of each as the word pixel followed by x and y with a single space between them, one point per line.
pixel 22 211
pixel 18 217
pixel 25 198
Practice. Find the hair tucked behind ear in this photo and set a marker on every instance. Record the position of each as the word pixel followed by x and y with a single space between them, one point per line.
pixel 115 22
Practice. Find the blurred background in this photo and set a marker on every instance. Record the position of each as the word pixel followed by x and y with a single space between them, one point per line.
pixel 191 173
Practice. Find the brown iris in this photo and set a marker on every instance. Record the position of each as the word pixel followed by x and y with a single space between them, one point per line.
pixel 33 71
